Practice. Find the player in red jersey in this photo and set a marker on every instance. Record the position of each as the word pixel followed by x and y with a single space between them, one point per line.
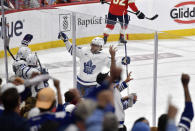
pixel 118 10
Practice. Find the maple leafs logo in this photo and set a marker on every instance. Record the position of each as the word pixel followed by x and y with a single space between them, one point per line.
pixel 89 67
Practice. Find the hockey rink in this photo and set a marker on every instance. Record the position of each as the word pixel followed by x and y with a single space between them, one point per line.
pixel 175 57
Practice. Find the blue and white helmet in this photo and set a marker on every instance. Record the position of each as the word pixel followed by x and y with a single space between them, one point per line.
pixel 23 52
pixel 98 41
pixel 27 39
pixel 32 60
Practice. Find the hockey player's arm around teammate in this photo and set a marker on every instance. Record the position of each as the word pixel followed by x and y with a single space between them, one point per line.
pixel 62 36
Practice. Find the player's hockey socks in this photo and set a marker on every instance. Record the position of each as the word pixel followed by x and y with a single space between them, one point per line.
pixel 186 118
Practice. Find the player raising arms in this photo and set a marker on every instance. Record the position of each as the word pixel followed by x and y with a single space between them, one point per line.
pixel 92 61
pixel 118 10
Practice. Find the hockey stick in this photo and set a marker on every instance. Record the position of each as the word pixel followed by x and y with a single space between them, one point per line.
pixel 125 44
pixel 46 84
pixel 7 46
pixel 11 53
pixel 7 41
pixel 39 62
pixel 149 18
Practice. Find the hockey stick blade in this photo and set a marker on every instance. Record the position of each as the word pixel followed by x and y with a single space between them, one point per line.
pixel 11 53
pixel 152 18
pixel 7 40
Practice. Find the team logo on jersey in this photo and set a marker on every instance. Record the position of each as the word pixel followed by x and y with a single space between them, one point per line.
pixel 65 22
pixel 89 67
pixel 184 13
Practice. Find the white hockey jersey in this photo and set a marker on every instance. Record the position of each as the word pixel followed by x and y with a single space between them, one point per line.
pixel 90 64
pixel 18 55
pixel 119 104
pixel 27 71
pixel 17 65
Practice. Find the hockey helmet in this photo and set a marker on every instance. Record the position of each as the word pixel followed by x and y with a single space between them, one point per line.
pixel 27 39
pixel 97 41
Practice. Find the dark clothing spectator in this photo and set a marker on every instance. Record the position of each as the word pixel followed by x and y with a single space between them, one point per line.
pixel 11 121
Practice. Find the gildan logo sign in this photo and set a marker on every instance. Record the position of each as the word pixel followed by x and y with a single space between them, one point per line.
pixel 184 12
pixel 65 22
pixel 15 28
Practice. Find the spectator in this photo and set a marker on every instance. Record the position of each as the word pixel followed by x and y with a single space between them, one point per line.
pixel 141 119
pixel 29 104
pixel 69 100
pixel 62 1
pixel 82 112
pixel 110 122
pixel 10 119
pixel 0 82
pixel 44 105
pixel 141 126
pixel 105 105
pixel 162 122
pixel 7 5
pixel 50 101
pixel 166 122
pixel 188 113
pixel 172 111
pixel 1 106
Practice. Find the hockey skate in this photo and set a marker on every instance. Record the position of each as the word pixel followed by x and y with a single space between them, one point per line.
pixel 122 41
pixel 105 39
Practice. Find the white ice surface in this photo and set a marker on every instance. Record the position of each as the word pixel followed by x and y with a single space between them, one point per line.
pixel 177 56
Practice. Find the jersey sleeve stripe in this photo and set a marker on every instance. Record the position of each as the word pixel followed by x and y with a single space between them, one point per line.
pixel 183 126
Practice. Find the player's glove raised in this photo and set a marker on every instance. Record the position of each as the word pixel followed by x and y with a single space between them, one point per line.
pixel 140 15
pixel 63 36
pixel 126 60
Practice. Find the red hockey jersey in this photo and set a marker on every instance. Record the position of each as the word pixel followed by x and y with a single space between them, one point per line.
pixel 119 7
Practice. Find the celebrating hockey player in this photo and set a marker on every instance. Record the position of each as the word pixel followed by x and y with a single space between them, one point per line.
pixel 120 103
pixel 24 44
pixel 91 63
pixel 22 54
pixel 21 60
pixel 118 10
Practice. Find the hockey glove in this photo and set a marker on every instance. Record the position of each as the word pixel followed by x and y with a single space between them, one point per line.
pixel 132 99
pixel 140 15
pixel 63 36
pixel 102 1
pixel 126 60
